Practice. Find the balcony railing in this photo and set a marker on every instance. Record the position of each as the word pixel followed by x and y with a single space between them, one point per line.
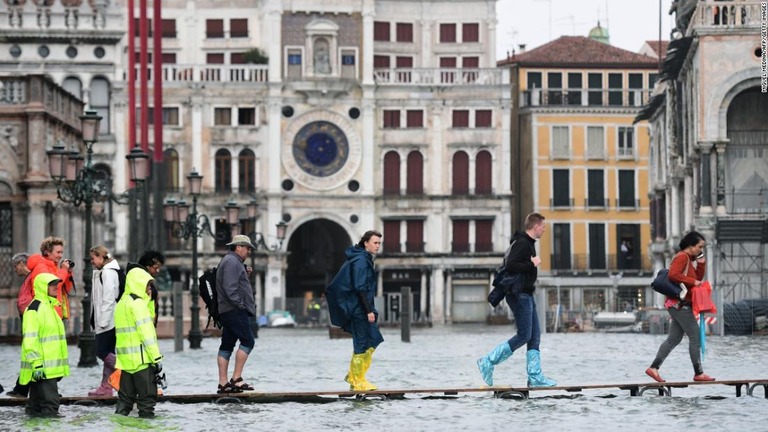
pixel 600 262
pixel 560 203
pixel 726 15
pixel 596 203
pixel 624 204
pixel 430 76
pixel 209 73
pixel 583 97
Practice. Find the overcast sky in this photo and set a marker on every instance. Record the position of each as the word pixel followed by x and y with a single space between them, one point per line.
pixel 629 22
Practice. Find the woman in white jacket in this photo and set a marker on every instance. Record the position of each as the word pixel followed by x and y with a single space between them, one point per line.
pixel 105 291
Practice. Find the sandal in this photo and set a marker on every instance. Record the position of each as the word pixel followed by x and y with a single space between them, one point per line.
pixel 244 386
pixel 229 388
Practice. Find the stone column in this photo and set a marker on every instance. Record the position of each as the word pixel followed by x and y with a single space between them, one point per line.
pixel 448 297
pixel 720 176
pixel 437 294
pixel 673 229
pixel 423 294
pixel 274 292
pixel 436 184
pixel 367 51
pixel 706 178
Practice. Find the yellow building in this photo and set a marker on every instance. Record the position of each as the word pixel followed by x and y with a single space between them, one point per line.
pixel 580 161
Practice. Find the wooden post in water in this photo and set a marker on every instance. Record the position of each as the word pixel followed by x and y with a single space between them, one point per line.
pixel 178 318
pixel 405 314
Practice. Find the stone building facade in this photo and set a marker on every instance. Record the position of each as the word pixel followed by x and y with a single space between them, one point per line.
pixel 709 141
pixel 387 115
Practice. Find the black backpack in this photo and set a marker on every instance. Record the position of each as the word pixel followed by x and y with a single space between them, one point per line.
pixel 121 282
pixel 208 293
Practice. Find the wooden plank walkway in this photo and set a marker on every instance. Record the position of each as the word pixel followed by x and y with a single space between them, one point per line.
pixel 744 386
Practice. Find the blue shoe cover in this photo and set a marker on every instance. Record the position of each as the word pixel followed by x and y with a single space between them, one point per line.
pixel 535 377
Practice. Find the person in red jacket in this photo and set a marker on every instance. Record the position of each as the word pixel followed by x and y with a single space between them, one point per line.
pixel 688 267
pixel 49 261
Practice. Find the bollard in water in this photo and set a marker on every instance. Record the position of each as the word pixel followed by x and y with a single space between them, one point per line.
pixel 178 318
pixel 405 314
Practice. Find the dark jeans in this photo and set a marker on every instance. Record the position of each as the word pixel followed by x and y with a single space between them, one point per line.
pixel 524 309
pixel 138 388
pixel 236 325
pixel 105 344
pixel 43 398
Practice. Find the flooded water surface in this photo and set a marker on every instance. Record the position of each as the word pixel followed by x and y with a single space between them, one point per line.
pixel 440 357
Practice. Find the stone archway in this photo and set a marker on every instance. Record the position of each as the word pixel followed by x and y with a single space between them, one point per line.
pixel 316 251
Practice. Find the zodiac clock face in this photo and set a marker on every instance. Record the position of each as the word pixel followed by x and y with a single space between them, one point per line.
pixel 320 148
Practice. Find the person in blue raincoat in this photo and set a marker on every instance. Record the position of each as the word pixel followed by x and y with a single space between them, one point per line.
pixel 350 304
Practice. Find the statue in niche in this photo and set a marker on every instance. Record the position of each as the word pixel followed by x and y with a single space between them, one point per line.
pixel 322 57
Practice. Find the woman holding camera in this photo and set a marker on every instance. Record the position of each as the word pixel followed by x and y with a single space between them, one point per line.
pixel 49 261
pixel 688 267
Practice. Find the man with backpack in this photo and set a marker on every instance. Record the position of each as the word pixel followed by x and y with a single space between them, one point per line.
pixel 521 259
pixel 235 307
pixel 108 279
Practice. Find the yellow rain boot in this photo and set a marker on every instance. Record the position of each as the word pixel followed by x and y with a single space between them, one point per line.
pixel 357 374
pixel 368 358
pixel 349 377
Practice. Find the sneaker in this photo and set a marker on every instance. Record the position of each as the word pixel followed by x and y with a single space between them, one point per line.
pixel 703 377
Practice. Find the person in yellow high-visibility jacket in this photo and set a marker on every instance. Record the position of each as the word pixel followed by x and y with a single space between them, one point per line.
pixel 44 358
pixel 138 354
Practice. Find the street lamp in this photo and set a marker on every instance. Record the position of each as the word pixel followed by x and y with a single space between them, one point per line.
pixel 78 182
pixel 186 225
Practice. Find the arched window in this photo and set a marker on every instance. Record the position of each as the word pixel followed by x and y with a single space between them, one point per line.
pixel 223 169
pixel 100 102
pixel 415 179
pixel 391 173
pixel 171 158
pixel 483 173
pixel 246 163
pixel 460 173
pixel 74 86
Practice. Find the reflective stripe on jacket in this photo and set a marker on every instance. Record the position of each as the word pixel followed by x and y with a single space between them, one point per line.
pixel 136 340
pixel 44 344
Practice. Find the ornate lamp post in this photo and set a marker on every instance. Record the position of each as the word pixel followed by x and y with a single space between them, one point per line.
pixel 77 182
pixel 187 225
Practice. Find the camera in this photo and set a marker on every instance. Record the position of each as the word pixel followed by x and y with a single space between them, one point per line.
pixel 71 263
